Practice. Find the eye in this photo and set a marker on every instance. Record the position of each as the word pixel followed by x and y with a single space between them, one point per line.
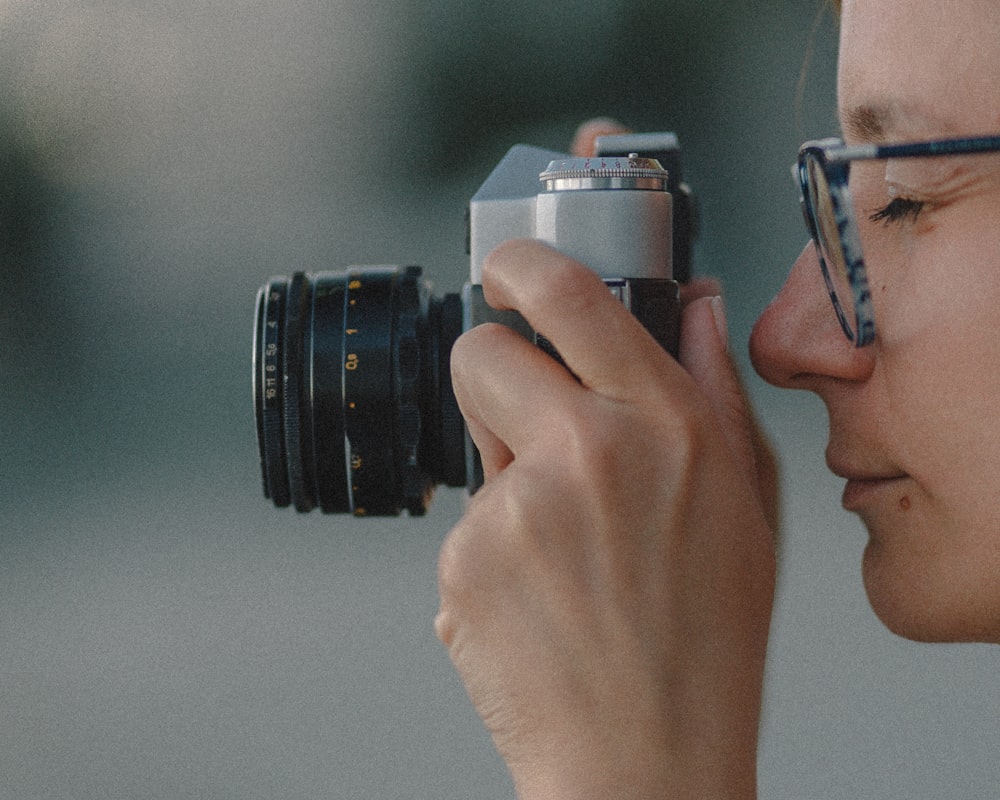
pixel 900 209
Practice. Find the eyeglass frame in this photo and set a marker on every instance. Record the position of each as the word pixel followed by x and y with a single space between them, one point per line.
pixel 834 158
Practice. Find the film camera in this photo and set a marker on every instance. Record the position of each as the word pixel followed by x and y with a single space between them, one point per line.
pixel 352 389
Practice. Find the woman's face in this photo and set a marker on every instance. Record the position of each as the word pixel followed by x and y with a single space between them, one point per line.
pixel 914 417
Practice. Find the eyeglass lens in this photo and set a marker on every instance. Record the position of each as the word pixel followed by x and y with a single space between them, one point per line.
pixel 828 241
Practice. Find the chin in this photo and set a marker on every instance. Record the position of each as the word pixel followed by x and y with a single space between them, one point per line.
pixel 927 599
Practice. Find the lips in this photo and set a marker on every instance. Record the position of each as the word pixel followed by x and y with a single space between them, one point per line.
pixel 859 492
pixel 865 487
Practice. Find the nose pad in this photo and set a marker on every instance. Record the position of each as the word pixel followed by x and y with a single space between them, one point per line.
pixel 798 336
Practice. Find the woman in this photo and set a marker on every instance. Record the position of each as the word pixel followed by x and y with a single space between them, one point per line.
pixel 606 597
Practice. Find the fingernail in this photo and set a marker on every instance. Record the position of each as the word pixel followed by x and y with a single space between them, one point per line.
pixel 721 325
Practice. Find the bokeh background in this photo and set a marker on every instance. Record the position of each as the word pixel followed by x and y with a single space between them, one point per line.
pixel 165 632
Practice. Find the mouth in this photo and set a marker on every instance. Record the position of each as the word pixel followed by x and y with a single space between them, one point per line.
pixel 860 492
pixel 866 487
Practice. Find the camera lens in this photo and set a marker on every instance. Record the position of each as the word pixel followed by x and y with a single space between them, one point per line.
pixel 352 391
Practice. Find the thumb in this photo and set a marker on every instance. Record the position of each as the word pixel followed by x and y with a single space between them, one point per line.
pixel 704 354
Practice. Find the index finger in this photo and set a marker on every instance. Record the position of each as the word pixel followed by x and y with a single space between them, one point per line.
pixel 599 339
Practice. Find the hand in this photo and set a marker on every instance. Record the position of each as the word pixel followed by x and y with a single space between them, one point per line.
pixel 607 595
pixel 585 144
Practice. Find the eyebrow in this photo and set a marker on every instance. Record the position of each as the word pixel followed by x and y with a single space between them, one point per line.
pixel 866 124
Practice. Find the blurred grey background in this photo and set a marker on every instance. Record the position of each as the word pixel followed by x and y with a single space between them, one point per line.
pixel 164 631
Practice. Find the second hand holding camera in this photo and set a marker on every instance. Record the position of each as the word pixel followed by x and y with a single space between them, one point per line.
pixel 352 390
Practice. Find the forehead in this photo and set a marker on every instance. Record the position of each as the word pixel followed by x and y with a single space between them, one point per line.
pixel 919 69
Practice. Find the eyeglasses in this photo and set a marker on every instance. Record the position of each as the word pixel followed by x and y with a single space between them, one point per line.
pixel 822 171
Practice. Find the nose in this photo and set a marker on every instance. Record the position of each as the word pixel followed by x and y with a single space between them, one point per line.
pixel 797 342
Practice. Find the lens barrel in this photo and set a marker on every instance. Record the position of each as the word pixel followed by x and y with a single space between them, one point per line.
pixel 352 391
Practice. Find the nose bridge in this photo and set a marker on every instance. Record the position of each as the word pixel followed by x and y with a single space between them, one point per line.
pixel 798 337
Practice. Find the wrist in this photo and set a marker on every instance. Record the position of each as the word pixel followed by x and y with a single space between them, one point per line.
pixel 632 776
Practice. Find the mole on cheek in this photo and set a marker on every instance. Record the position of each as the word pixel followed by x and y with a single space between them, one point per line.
pixel 904 503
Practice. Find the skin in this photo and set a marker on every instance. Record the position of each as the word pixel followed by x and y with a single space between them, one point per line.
pixel 629 619
pixel 912 417
pixel 611 633
pixel 606 597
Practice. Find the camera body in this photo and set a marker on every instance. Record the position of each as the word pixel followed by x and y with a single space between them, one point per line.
pixel 352 389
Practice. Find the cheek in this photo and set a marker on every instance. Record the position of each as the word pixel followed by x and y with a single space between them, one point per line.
pixel 942 282
pixel 940 395
pixel 932 567
pixel 932 564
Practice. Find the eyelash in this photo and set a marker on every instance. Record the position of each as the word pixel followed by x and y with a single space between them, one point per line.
pixel 900 209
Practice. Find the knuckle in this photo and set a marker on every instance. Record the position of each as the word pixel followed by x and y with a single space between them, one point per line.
pixel 688 434
pixel 613 449
pixel 572 282
pixel 503 264
pixel 474 557
pixel 591 441
pixel 472 348
pixel 553 276
pixel 450 571
pixel 464 352
pixel 595 453
pixel 469 346
pixel 459 568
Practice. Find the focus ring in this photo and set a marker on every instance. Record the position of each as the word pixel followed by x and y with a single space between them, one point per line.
pixel 413 480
